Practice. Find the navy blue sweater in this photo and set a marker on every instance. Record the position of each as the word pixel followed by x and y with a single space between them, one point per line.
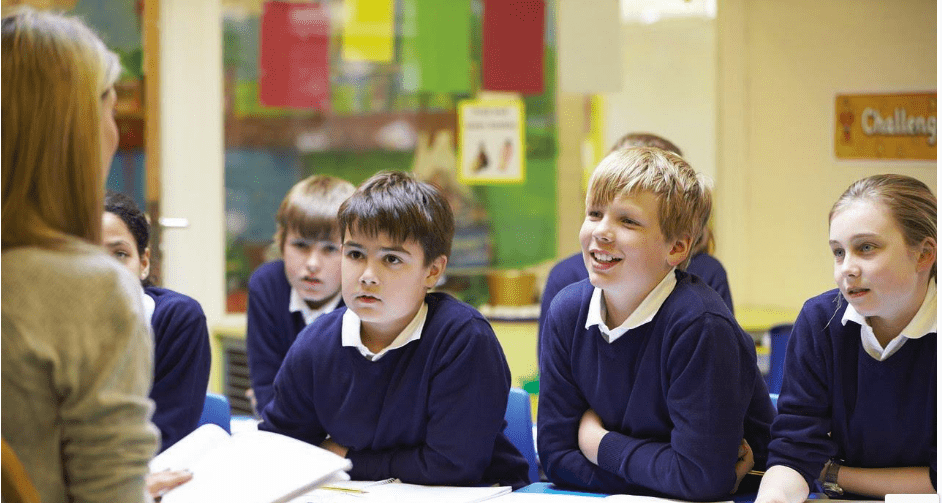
pixel 572 269
pixel 271 329
pixel 677 394
pixel 181 363
pixel 838 402
pixel 430 412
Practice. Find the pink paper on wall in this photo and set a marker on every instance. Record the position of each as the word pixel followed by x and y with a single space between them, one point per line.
pixel 293 55
pixel 512 45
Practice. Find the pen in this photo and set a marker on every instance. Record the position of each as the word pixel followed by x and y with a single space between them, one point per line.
pixel 755 472
pixel 343 489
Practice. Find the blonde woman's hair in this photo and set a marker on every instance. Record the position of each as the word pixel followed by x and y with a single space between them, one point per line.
pixel 55 73
pixel 310 209
pixel 911 203
pixel 684 196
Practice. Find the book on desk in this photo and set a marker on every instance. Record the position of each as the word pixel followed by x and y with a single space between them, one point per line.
pixel 249 467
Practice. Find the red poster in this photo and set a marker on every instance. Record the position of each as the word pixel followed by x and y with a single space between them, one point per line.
pixel 293 66
pixel 512 45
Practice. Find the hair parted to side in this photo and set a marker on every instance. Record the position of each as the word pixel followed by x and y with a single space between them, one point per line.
pixel 684 196
pixel 646 140
pixel 55 74
pixel 123 207
pixel 395 203
pixel 706 243
pixel 310 209
pixel 911 203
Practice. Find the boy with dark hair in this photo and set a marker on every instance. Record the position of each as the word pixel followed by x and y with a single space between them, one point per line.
pixel 288 294
pixel 648 384
pixel 404 383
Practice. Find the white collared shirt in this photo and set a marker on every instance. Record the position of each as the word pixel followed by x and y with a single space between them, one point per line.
pixel 350 333
pixel 924 322
pixel 149 305
pixel 297 305
pixel 643 314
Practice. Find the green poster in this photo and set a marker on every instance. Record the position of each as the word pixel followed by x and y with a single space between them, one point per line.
pixel 436 53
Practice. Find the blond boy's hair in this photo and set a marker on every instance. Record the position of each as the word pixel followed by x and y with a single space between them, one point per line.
pixel 310 209
pixel 684 196
pixel 56 72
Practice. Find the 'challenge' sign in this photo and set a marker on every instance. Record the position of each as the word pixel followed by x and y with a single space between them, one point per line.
pixel 885 126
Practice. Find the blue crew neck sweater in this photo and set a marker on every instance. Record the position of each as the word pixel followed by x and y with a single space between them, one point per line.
pixel 677 394
pixel 838 402
pixel 181 363
pixel 430 412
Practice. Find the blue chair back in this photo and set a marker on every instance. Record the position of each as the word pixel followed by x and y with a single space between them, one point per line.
pixel 779 337
pixel 216 411
pixel 520 428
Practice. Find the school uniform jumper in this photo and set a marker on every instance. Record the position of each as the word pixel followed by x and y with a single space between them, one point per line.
pixel 271 327
pixel 677 394
pixel 181 363
pixel 839 402
pixel 572 269
pixel 429 412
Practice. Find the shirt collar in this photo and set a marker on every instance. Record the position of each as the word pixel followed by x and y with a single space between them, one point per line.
pixel 350 333
pixel 643 314
pixel 297 305
pixel 923 323
pixel 149 306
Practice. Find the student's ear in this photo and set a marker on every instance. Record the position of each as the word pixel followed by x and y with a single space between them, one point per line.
pixel 145 264
pixel 679 251
pixel 927 255
pixel 435 271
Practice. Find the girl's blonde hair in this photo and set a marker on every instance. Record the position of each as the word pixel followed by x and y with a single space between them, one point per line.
pixel 911 203
pixel 55 73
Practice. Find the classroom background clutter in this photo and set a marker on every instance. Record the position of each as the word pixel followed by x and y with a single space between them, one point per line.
pixel 386 194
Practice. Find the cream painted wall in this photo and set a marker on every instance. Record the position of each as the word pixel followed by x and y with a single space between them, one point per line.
pixel 191 144
pixel 669 87
pixel 780 65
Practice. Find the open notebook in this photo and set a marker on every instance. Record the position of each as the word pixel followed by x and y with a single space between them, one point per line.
pixel 390 491
pixel 248 467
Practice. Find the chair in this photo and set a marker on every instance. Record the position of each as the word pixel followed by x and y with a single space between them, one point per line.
pixel 520 428
pixel 216 411
pixel 779 341
pixel 14 481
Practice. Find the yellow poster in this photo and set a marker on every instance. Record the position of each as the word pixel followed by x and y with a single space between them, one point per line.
pixel 885 126
pixel 367 30
pixel 491 146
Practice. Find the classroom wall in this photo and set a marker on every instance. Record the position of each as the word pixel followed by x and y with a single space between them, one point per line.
pixel 780 65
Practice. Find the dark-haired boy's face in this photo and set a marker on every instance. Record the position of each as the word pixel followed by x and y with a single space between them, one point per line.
pixel 119 242
pixel 385 282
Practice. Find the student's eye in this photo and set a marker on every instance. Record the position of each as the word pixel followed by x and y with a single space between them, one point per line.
pixel 628 221
pixel 354 254
pixel 392 259
pixel 301 244
pixel 330 248
pixel 838 253
pixel 121 254
pixel 867 248
pixel 594 214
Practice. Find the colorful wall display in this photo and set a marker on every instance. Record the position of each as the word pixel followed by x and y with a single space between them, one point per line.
pixel 368 30
pixel 512 45
pixel 293 62
pixel 491 147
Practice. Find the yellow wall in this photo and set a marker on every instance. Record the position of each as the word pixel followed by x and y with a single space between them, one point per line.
pixel 780 65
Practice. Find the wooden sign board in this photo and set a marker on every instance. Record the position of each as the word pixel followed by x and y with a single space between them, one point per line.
pixel 885 126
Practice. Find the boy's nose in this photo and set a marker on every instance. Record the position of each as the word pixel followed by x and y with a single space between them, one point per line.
pixel 367 277
pixel 849 267
pixel 602 231
pixel 313 262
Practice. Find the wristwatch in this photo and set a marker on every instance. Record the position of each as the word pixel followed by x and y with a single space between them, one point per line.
pixel 829 481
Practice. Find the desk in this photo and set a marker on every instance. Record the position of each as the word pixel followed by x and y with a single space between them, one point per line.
pixel 549 488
